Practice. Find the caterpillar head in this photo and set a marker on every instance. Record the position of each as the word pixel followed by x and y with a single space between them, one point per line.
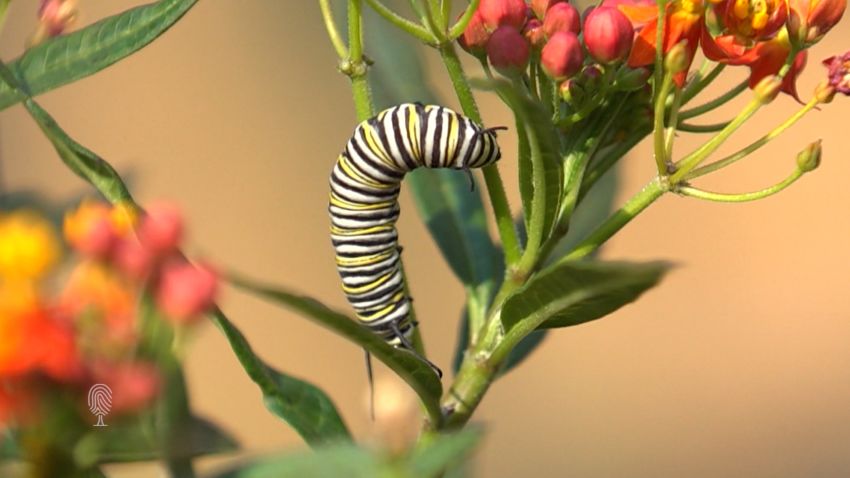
pixel 487 151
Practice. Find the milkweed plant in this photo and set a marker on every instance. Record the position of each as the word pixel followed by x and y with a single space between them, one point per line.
pixel 100 298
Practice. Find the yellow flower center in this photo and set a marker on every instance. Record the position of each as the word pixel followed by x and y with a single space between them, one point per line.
pixel 754 14
pixel 28 247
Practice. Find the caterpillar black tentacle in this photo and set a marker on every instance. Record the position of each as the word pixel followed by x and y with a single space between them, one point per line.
pixel 363 208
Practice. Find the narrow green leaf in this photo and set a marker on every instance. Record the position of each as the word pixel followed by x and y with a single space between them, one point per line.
pixel 67 58
pixel 329 462
pixel 85 163
pixel 573 293
pixel 534 126
pixel 304 406
pixel 414 371
pixel 443 451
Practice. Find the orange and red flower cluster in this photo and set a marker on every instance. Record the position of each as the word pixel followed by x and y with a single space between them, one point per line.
pixel 90 331
pixel 764 35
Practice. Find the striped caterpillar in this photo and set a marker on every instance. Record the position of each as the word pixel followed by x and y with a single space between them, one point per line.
pixel 365 184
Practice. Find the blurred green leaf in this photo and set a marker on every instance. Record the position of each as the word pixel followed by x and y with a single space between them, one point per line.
pixel 439 454
pixel 304 406
pixel 573 293
pixel 64 59
pixel 442 452
pixel 414 371
pixel 138 440
pixel 339 461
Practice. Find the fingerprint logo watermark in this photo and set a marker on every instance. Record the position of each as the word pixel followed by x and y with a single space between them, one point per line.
pixel 100 402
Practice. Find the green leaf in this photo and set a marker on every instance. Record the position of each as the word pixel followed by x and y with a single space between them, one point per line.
pixel 537 136
pixel 304 406
pixel 414 371
pixel 573 293
pixel 138 440
pixel 443 451
pixel 85 163
pixel 329 462
pixel 68 58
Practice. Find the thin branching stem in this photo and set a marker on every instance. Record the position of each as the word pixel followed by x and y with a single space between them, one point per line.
pixel 740 197
pixel 333 31
pixel 408 26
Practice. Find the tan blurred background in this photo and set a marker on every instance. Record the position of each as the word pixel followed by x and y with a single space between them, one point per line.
pixel 737 366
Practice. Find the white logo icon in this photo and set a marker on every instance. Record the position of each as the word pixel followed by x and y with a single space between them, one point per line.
pixel 100 402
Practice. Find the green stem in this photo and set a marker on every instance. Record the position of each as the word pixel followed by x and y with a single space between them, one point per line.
pixel 333 32
pixel 659 143
pixel 696 87
pixel 457 29
pixel 495 187
pixel 700 154
pixel 715 103
pixel 620 218
pixel 359 83
pixel 752 147
pixel 408 26
pixel 702 128
pixel 659 46
pixel 4 9
pixel 742 197
pixel 670 131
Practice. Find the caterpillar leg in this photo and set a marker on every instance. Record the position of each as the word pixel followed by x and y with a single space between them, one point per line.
pixel 371 379
pixel 409 347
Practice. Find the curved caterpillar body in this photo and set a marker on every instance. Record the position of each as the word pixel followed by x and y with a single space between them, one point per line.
pixel 364 202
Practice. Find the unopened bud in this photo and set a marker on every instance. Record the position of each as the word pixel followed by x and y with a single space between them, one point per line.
pixel 561 17
pixel 631 79
pixel 677 59
pixel 539 7
pixel 809 158
pixel 499 13
pixel 572 92
pixel 475 36
pixel 767 88
pixel 562 56
pixel 824 93
pixel 508 51
pixel 608 35
pixel 533 32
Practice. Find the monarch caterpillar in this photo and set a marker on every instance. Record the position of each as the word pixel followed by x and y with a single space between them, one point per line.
pixel 363 208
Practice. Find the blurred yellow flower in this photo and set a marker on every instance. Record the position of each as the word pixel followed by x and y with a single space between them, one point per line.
pixel 28 247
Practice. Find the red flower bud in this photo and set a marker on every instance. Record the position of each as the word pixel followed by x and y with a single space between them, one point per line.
pixel 475 36
pixel 539 7
pixel 561 17
pixel 89 229
pixel 562 56
pixel 133 384
pixel 608 35
pixel 533 32
pixel 508 51
pixel 186 291
pixel 809 20
pixel 131 258
pixel 498 13
pixel 161 229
